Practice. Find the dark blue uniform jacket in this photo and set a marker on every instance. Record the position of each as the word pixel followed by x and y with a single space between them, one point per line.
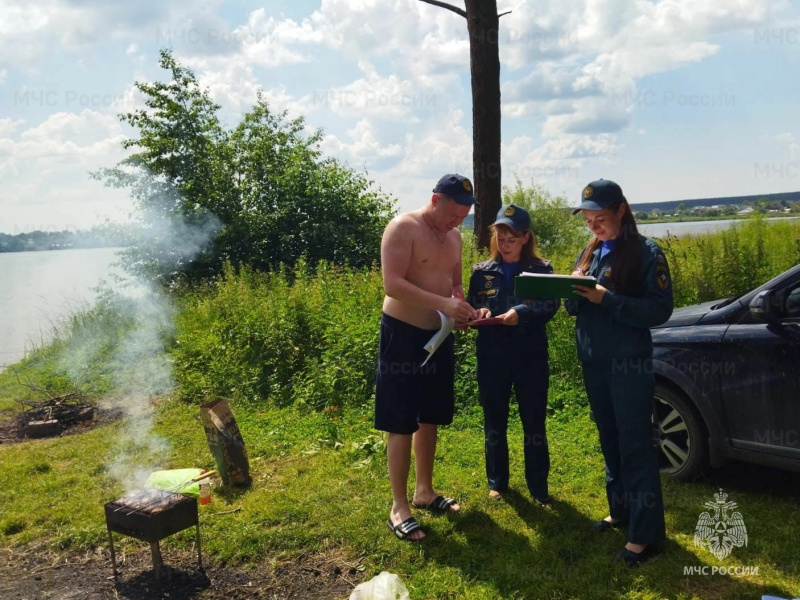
pixel 619 327
pixel 487 288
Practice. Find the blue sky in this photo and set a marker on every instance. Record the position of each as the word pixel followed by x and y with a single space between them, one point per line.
pixel 673 99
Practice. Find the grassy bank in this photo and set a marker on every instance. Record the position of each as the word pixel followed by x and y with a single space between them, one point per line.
pixel 320 484
pixel 296 354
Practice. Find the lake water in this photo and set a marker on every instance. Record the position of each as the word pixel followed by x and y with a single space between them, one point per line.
pixel 38 289
pixel 662 230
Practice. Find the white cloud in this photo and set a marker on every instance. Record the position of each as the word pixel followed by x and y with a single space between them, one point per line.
pixel 9 126
pixel 268 42
pixel 365 147
pixel 17 19
pixel 602 48
pixel 550 80
pixel 46 168
pixel 558 160
pixel 388 98
pixel 572 73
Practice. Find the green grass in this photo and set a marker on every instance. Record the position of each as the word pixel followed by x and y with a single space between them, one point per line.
pixel 296 354
pixel 320 483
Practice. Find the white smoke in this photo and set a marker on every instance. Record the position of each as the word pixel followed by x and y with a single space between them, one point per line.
pixel 140 370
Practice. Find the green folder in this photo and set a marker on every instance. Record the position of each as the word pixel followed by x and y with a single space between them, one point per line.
pixel 536 285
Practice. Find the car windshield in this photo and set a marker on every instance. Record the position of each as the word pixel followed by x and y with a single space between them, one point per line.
pixel 728 301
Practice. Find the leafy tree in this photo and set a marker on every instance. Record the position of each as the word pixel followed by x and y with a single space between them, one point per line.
pixel 259 194
pixel 557 230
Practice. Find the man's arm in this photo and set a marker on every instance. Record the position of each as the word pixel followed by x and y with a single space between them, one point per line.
pixel 396 252
pixel 458 287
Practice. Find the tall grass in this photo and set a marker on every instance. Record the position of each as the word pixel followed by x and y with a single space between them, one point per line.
pixel 311 339
pixel 296 337
pixel 82 354
pixel 732 261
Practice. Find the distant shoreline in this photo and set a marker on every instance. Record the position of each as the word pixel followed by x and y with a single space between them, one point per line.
pixel 10 250
pixel 717 218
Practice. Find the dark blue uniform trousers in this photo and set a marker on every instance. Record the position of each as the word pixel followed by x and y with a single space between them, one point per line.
pixel 530 380
pixel 621 397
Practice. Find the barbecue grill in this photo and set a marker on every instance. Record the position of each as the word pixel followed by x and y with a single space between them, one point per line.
pixel 150 516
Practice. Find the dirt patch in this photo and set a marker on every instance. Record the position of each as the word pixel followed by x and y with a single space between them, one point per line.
pixel 37 574
pixel 12 430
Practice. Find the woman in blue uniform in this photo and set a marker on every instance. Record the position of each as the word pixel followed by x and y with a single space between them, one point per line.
pixel 613 323
pixel 514 353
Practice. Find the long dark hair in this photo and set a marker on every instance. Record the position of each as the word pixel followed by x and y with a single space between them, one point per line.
pixel 626 262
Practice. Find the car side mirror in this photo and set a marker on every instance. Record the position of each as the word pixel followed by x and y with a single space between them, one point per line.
pixel 763 307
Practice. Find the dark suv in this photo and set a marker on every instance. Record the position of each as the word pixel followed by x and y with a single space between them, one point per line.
pixel 728 380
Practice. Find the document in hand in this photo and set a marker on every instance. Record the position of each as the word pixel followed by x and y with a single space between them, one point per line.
pixel 440 336
pixel 537 285
pixel 479 323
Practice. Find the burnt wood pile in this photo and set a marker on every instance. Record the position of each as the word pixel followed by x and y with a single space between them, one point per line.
pixel 45 418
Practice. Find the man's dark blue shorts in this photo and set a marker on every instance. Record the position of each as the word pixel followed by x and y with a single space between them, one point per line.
pixel 407 393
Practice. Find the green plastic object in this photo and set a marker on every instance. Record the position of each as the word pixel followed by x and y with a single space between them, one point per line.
pixel 175 480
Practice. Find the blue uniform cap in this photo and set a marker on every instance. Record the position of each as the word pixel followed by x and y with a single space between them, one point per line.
pixel 600 194
pixel 513 216
pixel 457 187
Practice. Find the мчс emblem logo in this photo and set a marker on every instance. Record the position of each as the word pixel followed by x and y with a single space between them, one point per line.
pixel 467 185
pixel 721 532
pixel 588 192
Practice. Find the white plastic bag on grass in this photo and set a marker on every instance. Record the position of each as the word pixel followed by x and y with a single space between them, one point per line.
pixel 385 586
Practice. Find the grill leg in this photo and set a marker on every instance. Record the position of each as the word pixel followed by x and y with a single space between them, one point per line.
pixel 199 557
pixel 113 556
pixel 157 560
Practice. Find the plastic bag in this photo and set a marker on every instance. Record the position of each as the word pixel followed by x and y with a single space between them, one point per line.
pixel 172 481
pixel 385 586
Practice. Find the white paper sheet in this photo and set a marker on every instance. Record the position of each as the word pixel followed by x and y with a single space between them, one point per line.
pixel 440 336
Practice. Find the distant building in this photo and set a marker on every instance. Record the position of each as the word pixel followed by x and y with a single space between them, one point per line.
pixel 745 211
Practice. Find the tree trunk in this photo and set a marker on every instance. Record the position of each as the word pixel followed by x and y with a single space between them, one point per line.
pixel 483 25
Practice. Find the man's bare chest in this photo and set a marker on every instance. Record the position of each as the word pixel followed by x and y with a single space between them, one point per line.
pixel 433 255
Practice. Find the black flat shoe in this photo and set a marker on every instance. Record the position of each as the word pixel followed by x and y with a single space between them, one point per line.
pixel 604 525
pixel 544 500
pixel 634 559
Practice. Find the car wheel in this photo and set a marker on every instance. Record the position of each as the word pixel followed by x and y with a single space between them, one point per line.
pixel 679 434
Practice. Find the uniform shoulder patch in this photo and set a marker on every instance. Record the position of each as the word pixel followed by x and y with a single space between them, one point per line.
pixel 662 277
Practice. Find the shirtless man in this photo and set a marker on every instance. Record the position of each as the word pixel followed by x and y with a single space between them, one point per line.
pixel 421 259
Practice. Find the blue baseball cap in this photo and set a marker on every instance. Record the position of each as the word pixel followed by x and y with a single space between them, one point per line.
pixel 513 216
pixel 457 187
pixel 600 194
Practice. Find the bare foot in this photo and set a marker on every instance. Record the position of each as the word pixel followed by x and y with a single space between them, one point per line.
pixel 637 548
pixel 495 495
pixel 398 516
pixel 436 503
